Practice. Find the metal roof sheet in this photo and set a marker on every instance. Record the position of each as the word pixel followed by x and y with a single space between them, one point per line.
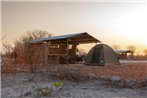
pixel 57 37
pixel 60 37
pixel 123 51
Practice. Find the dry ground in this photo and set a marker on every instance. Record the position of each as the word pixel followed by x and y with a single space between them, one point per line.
pixel 136 72
pixel 126 70
pixel 19 83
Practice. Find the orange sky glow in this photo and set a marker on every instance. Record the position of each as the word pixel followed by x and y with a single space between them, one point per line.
pixel 114 23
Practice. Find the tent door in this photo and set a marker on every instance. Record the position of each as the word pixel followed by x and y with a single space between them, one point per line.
pixel 96 55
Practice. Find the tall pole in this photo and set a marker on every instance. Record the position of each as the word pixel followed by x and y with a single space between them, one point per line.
pixel 45 53
pixel 67 52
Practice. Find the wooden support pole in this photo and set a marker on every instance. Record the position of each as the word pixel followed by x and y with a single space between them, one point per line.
pixel 45 53
pixel 67 51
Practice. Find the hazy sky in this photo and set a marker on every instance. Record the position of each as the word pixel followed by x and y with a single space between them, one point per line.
pixel 114 23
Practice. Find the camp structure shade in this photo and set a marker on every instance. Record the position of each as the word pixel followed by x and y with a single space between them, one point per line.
pixel 101 55
pixel 61 49
pixel 76 38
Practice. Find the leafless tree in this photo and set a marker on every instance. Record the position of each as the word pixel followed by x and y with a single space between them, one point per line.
pixel 29 53
pixel 35 34
pixel 132 48
pixel 8 57
pixel 116 47
pixel 2 38
pixel 145 52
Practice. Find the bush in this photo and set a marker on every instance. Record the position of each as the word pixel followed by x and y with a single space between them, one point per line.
pixel 48 90
pixel 45 91
pixel 72 74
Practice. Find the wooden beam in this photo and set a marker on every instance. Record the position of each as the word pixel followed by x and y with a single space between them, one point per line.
pixel 79 41
pixel 45 53
pixel 67 52
pixel 57 54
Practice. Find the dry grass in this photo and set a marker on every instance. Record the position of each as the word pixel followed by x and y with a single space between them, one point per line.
pixel 79 73
pixel 72 73
pixel 136 72
pixel 126 71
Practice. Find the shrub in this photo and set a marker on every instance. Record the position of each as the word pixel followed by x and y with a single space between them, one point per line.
pixel 45 91
pixel 72 74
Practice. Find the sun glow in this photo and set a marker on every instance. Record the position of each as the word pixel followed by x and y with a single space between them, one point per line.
pixel 133 26
pixel 122 24
pixel 145 43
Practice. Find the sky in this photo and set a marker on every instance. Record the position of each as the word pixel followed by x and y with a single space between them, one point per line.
pixel 113 23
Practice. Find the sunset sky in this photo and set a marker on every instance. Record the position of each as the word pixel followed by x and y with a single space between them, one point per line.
pixel 114 23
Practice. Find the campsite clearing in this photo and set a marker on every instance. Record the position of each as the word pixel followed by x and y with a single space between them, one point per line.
pixel 127 70
pixel 21 84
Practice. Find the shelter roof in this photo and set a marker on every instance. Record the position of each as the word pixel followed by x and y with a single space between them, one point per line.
pixel 77 38
pixel 123 51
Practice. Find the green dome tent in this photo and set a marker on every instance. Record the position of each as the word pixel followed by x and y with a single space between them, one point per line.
pixel 101 55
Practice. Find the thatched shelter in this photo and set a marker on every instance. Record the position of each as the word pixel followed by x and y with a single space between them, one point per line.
pixel 123 54
pixel 60 49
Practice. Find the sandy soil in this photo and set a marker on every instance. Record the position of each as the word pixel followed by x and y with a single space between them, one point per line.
pixel 127 70
pixel 21 85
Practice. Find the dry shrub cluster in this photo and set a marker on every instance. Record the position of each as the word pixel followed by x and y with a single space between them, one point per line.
pixel 7 60
pixel 44 91
pixel 24 52
pixel 71 73
pixel 20 51
pixel 29 55
pixel 127 71
pixel 35 56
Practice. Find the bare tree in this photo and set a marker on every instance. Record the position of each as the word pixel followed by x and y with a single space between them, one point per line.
pixel 2 38
pixel 30 53
pixel 7 47
pixel 8 57
pixel 132 48
pixel 145 52
pixel 116 47
pixel 27 37
pixel 35 34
